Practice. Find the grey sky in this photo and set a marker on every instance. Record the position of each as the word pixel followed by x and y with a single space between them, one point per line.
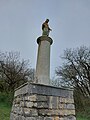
pixel 20 25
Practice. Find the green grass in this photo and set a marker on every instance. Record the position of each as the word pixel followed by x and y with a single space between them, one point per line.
pixel 5 106
pixel 81 118
pixel 84 115
pixel 4 111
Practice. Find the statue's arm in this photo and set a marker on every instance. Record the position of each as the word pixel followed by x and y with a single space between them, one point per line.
pixel 49 28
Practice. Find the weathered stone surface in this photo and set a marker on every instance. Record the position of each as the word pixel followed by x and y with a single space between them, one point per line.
pixel 53 102
pixel 40 118
pixel 44 90
pixel 62 106
pixel 69 112
pixel 22 104
pixel 42 105
pixel 16 110
pixel 15 117
pixel 31 98
pixel 62 100
pixel 69 100
pixel 30 112
pixel 61 118
pixel 40 102
pixel 50 112
pixel 48 118
pixel 70 118
pixel 29 104
pixel 41 98
pixel 56 118
pixel 17 100
pixel 30 118
pixel 11 116
pixel 66 106
pixel 43 60
pixel 70 106
pixel 35 104
pixel 21 91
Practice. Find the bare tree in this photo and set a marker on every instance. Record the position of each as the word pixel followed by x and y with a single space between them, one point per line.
pixel 13 71
pixel 76 70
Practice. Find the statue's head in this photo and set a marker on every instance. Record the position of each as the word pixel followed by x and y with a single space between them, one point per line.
pixel 47 20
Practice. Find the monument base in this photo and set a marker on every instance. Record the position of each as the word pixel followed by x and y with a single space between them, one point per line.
pixel 41 102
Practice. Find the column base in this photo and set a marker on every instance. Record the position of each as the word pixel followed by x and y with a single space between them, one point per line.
pixel 41 102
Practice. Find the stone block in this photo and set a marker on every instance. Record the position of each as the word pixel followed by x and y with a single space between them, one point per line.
pixel 15 110
pixel 40 118
pixel 42 105
pixel 48 118
pixel 21 111
pixel 31 98
pixel 21 117
pixel 17 100
pixel 41 98
pixel 69 112
pixel 62 112
pixel 56 118
pixel 62 106
pixel 70 106
pixel 62 100
pixel 35 104
pixel 53 102
pixel 30 118
pixel 21 90
pixel 11 116
pixel 29 104
pixel 46 112
pixel 49 90
pixel 61 118
pixel 22 104
pixel 16 105
pixel 30 112
pixel 35 118
pixel 69 100
pixel 70 118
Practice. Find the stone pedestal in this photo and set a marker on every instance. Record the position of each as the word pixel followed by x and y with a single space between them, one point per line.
pixel 43 60
pixel 41 102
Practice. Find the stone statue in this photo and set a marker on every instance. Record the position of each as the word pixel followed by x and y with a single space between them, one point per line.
pixel 45 28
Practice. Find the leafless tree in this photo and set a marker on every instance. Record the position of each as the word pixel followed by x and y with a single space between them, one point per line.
pixel 13 71
pixel 76 69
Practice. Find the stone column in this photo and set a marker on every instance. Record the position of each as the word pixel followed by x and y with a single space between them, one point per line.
pixel 43 60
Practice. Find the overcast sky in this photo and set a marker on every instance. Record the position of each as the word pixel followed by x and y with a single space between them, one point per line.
pixel 20 26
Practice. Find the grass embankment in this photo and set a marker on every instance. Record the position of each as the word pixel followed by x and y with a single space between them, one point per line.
pixel 4 111
pixel 84 115
pixel 5 106
pixel 82 108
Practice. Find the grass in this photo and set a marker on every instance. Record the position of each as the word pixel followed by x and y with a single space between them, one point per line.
pixel 5 111
pixel 84 115
pixel 81 118
pixel 5 106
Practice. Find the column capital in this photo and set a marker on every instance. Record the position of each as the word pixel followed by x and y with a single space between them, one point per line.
pixel 44 38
